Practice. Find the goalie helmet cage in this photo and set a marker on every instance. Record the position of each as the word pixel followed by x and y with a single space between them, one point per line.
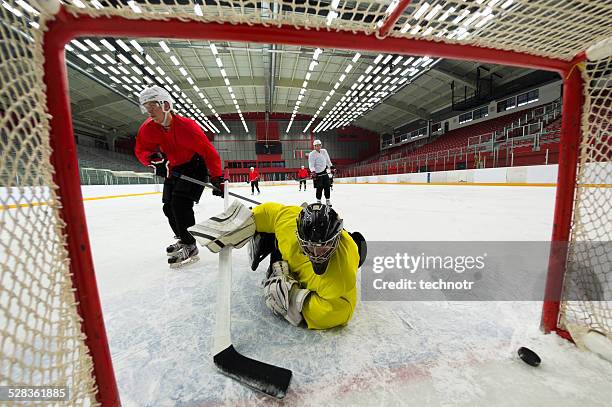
pixel 51 326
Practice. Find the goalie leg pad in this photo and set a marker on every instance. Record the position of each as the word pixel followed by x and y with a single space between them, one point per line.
pixel 233 227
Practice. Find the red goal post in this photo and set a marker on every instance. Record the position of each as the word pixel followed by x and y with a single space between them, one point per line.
pixel 537 34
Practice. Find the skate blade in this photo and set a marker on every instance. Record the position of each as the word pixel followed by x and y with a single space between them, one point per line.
pixel 184 263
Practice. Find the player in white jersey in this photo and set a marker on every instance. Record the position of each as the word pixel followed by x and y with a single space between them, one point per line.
pixel 318 163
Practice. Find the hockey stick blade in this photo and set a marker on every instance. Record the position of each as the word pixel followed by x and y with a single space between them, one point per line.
pixel 268 379
pixel 211 186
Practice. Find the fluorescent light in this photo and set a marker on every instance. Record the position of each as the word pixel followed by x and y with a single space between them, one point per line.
pixel 387 58
pixel 424 7
pixel 470 20
pixel 227 82
pixel 114 70
pixel 507 4
pixel 84 58
pixel 317 53
pixel 446 14
pixel 378 58
pixel 348 68
pixel 484 21
pixel 137 59
pixel 134 6
pixel 213 49
pixel 433 12
pixel 77 43
pixel 123 45
pixel 97 58
pixel 190 80
pixel 136 45
pixel 342 78
pixel 149 59
pixel 461 16
pixel 223 73
pixel 27 7
pixel 164 46
pixel 135 79
pixel 109 58
pixel 123 58
pixel 169 80
pixel 183 71
pixel 91 44
pixel 107 44
pixel 101 70
pixel 174 60
pixel 69 48
pixel 198 10
pixel 160 70
pixel 114 79
pixel 150 71
pixel 126 79
pixel 369 69
pixel 378 68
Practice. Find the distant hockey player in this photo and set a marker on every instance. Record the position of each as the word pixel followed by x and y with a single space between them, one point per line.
pixel 318 162
pixel 171 143
pixel 302 176
pixel 313 260
pixel 254 179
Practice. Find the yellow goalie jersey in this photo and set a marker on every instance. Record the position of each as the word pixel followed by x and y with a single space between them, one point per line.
pixel 334 293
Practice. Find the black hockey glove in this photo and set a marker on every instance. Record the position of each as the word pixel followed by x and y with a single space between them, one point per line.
pixel 218 183
pixel 160 163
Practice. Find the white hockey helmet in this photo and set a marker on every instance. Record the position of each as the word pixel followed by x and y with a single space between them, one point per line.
pixel 317 143
pixel 252 168
pixel 302 167
pixel 154 94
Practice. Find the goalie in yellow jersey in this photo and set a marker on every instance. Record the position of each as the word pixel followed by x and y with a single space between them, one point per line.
pixel 313 261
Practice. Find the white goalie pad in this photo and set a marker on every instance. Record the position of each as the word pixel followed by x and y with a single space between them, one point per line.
pixel 233 227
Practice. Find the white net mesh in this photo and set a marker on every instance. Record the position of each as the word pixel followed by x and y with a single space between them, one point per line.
pixel 588 281
pixel 40 330
pixel 40 336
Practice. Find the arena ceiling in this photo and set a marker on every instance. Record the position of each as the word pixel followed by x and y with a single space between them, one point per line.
pixel 105 75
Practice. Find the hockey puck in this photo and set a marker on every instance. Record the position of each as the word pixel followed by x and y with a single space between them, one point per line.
pixel 530 357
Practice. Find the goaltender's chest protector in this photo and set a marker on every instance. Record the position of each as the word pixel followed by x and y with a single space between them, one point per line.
pixel 340 277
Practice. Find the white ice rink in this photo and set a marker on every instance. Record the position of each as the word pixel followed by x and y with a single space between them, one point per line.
pixel 160 321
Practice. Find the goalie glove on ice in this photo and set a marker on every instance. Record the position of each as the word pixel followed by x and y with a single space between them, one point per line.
pixel 283 294
pixel 233 227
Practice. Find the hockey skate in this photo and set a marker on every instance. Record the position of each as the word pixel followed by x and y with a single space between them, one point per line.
pixel 173 248
pixel 187 254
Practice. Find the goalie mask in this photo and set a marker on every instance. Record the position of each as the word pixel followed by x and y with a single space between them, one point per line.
pixel 318 233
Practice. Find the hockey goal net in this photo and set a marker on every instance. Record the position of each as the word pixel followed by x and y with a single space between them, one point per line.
pixel 51 330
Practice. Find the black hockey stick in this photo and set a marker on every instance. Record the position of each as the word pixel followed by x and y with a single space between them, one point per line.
pixel 269 379
pixel 209 185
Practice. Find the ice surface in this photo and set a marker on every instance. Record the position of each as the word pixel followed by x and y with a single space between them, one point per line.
pixel 160 321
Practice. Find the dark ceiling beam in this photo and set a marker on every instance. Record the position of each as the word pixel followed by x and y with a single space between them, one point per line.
pixel 373 126
pixel 408 108
pixel 464 80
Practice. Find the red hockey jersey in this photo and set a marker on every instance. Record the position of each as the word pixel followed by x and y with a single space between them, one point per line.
pixel 180 142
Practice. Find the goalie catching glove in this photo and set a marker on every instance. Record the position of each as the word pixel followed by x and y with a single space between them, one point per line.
pixel 233 227
pixel 283 294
